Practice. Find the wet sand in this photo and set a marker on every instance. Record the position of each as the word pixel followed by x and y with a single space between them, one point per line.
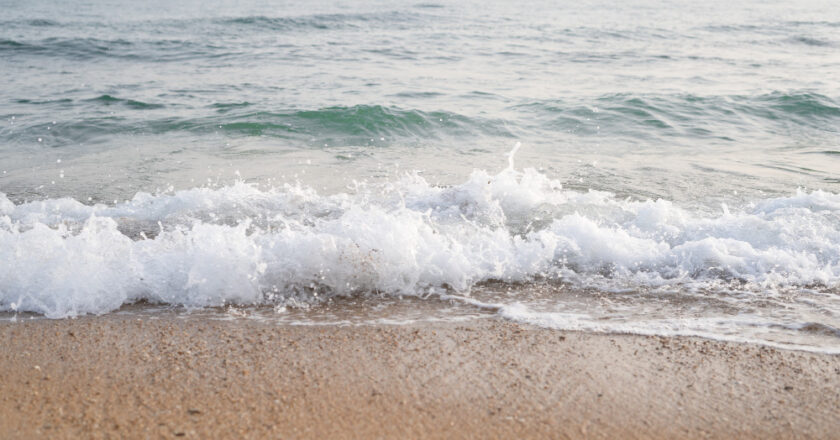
pixel 120 376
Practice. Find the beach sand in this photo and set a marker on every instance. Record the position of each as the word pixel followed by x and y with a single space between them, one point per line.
pixel 136 377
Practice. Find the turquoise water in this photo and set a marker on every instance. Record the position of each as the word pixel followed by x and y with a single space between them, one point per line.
pixel 746 94
pixel 690 150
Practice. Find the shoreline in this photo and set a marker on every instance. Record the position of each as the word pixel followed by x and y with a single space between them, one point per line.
pixel 138 377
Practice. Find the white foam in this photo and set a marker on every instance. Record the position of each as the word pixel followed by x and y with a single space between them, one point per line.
pixel 746 329
pixel 243 245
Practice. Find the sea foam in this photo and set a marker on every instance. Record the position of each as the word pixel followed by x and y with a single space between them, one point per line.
pixel 241 244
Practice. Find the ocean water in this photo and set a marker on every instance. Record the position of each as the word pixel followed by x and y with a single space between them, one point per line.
pixel 667 168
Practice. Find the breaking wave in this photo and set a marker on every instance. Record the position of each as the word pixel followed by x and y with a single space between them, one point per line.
pixel 245 245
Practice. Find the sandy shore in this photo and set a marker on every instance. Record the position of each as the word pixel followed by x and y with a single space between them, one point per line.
pixel 120 376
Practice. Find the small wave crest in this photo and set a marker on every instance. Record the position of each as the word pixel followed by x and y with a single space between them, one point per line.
pixel 88 48
pixel 336 126
pixel 645 116
pixel 319 21
pixel 131 103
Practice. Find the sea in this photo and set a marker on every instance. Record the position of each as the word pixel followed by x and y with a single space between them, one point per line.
pixel 644 167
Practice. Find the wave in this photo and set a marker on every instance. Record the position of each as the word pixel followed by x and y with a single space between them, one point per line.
pixel 721 119
pixel 810 41
pixel 336 126
pixel 245 245
pixel 743 328
pixel 771 28
pixel 87 48
pixel 320 21
pixel 37 22
pixel 75 48
pixel 42 23
pixel 172 40
pixel 643 116
pixel 131 103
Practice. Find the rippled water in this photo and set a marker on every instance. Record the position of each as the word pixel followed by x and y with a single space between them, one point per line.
pixel 684 160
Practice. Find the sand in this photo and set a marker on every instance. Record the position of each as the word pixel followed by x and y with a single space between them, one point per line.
pixel 120 376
